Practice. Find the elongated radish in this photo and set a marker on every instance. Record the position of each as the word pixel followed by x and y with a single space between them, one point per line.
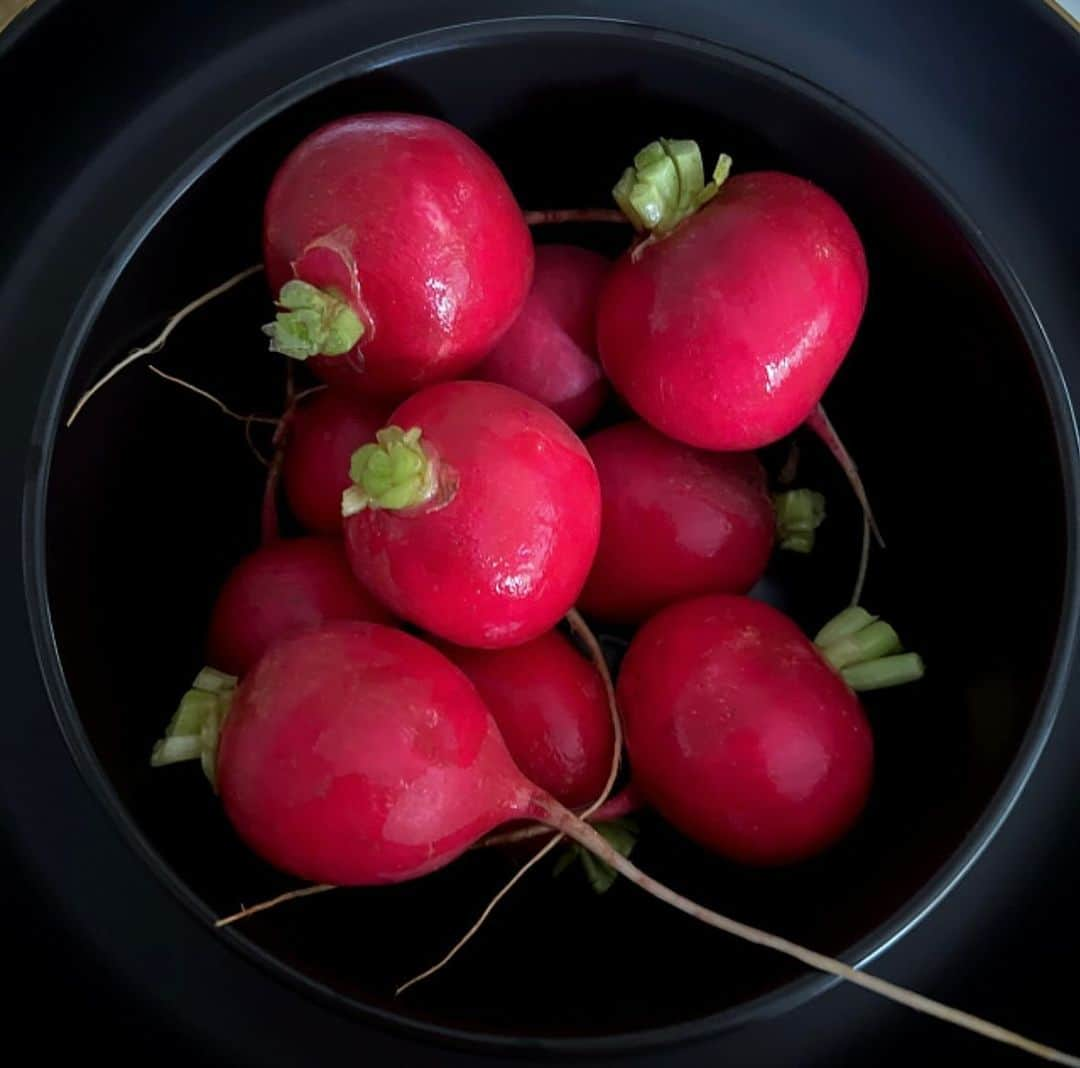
pixel 550 351
pixel 551 709
pixel 475 515
pixel 396 252
pixel 744 734
pixel 326 430
pixel 357 754
pixel 678 522
pixel 724 331
pixel 278 590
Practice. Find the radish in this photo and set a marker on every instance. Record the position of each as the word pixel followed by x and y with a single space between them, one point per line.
pixel 326 430
pixel 747 737
pixel 278 590
pixel 725 326
pixel 359 755
pixel 550 351
pixel 551 709
pixel 678 521
pixel 396 251
pixel 475 515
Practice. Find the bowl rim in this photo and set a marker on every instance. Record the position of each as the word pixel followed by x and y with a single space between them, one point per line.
pixel 432 42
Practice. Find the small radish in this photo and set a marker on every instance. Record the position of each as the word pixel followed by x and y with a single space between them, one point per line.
pixel 325 431
pixel 475 515
pixel 278 590
pixel 550 351
pixel 396 252
pixel 747 737
pixel 723 328
pixel 678 522
pixel 552 711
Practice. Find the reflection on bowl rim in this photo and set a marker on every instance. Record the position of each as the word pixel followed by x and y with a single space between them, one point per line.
pixel 433 42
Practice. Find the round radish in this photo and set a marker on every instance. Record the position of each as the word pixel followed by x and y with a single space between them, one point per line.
pixel 740 733
pixel 279 590
pixel 550 351
pixel 396 252
pixel 325 431
pixel 678 521
pixel 723 329
pixel 552 711
pixel 475 515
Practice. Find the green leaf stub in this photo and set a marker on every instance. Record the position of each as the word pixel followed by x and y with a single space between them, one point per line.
pixel 394 472
pixel 312 322
pixel 666 184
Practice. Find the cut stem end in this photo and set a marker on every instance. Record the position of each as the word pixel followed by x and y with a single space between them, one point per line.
pixel 798 514
pixel 666 184
pixel 194 730
pixel 392 472
pixel 313 322
pixel 866 651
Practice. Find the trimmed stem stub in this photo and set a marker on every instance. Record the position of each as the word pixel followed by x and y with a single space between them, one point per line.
pixel 666 184
pixel 195 728
pixel 798 514
pixel 392 472
pixel 866 651
pixel 312 322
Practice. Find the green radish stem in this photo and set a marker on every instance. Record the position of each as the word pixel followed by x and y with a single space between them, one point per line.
pixel 312 322
pixel 394 472
pixel 666 184
pixel 798 514
pixel 866 651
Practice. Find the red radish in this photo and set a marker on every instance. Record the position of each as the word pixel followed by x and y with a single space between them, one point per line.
pixel 475 515
pixel 396 251
pixel 325 431
pixel 358 755
pixel 279 590
pixel 678 521
pixel 725 331
pixel 550 351
pixel 551 709
pixel 740 733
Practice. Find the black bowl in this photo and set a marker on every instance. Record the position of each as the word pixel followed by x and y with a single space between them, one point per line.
pixel 951 401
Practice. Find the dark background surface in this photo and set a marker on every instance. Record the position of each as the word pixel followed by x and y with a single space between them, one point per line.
pixel 113 97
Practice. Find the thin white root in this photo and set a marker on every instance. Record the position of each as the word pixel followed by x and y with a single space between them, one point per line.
pixel 583 631
pixel 268 420
pixel 159 342
pixel 262 906
pixel 597 845
pixel 821 425
pixel 864 562
pixel 604 215
pixel 460 944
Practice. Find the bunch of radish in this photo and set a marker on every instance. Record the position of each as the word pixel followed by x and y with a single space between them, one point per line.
pixel 391 684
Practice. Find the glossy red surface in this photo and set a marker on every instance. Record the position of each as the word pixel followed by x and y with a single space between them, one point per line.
pixel 357 754
pixel 552 712
pixel 326 430
pixel 740 734
pixel 413 223
pixel 725 333
pixel 677 522
pixel 501 552
pixel 279 590
pixel 550 351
